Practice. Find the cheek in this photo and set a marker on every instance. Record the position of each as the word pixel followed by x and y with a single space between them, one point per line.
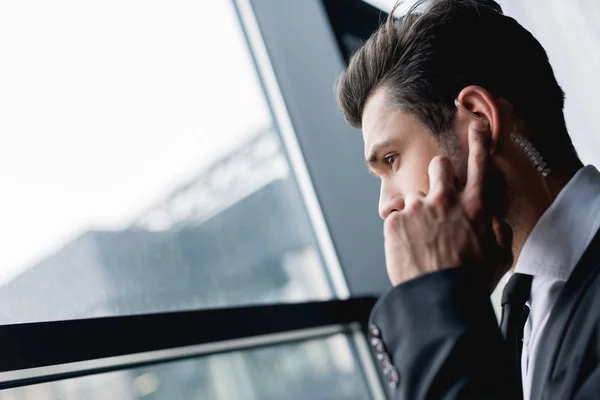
pixel 415 172
pixel 413 176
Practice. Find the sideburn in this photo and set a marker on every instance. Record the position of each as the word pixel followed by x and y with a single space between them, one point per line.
pixel 458 156
pixel 496 189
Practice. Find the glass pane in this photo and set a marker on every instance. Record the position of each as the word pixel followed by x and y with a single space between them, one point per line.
pixel 139 165
pixel 316 369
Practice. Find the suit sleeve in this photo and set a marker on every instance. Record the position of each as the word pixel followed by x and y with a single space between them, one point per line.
pixel 437 338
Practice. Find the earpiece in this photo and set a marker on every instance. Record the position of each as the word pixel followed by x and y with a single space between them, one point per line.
pixel 525 145
pixel 531 152
pixel 469 112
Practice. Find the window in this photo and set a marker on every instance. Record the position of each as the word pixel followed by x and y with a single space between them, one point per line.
pixel 314 369
pixel 141 169
pixel 146 178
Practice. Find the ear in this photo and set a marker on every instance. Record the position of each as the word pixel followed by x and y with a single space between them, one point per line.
pixel 485 107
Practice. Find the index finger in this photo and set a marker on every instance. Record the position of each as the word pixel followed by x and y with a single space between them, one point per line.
pixel 441 176
pixel 479 147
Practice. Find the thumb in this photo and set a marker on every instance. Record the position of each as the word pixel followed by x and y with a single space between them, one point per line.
pixel 477 168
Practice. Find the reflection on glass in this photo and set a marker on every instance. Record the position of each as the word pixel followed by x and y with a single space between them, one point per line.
pixel 141 172
pixel 316 369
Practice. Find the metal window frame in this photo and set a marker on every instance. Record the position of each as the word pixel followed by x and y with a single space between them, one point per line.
pixel 48 351
pixel 298 60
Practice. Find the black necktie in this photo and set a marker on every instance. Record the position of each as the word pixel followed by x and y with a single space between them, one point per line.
pixel 514 314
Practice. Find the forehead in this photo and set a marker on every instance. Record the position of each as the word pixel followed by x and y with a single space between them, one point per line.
pixel 381 123
pixel 376 113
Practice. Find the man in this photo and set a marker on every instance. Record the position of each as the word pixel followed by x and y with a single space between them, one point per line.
pixel 462 121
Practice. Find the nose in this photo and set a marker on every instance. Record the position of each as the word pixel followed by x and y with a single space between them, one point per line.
pixel 389 201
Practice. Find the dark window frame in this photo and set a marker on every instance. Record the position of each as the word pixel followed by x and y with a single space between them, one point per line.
pixel 31 346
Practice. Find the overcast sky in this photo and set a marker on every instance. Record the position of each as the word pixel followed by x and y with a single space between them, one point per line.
pixel 106 106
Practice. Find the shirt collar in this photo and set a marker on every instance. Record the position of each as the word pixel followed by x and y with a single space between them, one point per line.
pixel 565 230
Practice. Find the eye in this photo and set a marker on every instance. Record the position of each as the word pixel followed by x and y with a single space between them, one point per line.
pixel 390 159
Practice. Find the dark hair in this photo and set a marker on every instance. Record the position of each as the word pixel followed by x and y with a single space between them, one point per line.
pixel 439 47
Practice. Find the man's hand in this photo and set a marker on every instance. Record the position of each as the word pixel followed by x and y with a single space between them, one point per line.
pixel 446 228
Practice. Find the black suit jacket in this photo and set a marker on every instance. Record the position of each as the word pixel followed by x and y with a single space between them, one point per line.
pixel 436 337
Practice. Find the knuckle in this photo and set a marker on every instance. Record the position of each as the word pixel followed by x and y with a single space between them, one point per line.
pixel 439 163
pixel 414 209
pixel 445 190
pixel 413 204
pixel 474 203
pixel 443 161
pixel 392 223
pixel 442 198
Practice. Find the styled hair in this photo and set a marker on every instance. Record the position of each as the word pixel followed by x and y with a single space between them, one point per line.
pixel 425 58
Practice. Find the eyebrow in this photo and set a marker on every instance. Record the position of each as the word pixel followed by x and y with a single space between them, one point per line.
pixel 375 156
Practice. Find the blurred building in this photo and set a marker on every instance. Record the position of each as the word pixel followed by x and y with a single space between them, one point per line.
pixel 235 234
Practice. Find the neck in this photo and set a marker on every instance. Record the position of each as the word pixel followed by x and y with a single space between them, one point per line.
pixel 525 211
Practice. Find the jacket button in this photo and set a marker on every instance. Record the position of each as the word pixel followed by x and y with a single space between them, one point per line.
pixel 383 357
pixel 377 344
pixel 386 364
pixel 392 377
pixel 374 331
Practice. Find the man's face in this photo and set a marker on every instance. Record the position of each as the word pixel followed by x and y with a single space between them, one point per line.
pixel 398 149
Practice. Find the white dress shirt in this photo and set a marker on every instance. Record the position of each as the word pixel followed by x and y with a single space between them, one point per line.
pixel 552 251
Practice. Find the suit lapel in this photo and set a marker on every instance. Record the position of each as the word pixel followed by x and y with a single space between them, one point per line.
pixel 561 315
